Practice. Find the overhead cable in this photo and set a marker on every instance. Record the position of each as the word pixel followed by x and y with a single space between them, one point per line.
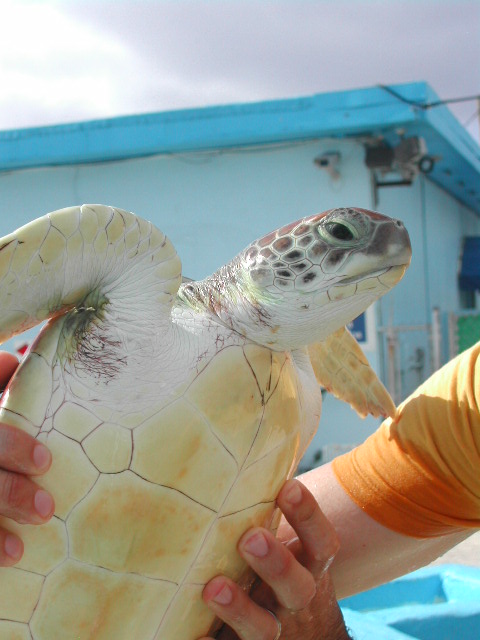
pixel 428 105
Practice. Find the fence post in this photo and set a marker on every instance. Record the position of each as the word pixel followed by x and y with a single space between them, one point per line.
pixel 452 335
pixel 392 362
pixel 436 340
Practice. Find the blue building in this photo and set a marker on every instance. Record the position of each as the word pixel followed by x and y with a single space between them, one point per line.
pixel 216 178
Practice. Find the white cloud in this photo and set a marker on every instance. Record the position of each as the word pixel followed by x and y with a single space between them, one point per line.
pixel 74 60
pixel 53 64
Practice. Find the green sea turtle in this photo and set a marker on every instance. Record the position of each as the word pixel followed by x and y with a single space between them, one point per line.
pixel 174 412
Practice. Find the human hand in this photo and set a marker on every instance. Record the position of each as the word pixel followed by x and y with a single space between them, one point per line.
pixel 296 586
pixel 20 498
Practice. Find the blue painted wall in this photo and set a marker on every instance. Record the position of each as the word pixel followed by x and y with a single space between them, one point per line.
pixel 213 203
pixel 437 224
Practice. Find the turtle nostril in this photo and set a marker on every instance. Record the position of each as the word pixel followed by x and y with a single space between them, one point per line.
pixel 398 223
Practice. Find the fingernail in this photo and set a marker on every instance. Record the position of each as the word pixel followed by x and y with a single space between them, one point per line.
pixel 224 596
pixel 294 493
pixel 12 546
pixel 43 503
pixel 41 456
pixel 256 545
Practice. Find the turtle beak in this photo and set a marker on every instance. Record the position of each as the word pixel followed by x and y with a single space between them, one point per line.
pixel 389 251
pixel 391 243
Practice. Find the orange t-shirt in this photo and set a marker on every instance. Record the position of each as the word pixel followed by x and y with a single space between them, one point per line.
pixel 420 474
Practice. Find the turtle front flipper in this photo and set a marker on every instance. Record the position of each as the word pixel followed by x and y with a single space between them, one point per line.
pixel 107 279
pixel 62 260
pixel 342 368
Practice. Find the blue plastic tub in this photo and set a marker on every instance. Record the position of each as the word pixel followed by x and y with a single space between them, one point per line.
pixel 437 603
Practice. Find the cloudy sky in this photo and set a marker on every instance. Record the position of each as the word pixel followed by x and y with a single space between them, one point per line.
pixel 72 60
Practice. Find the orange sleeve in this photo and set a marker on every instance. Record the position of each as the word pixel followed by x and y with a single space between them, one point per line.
pixel 420 474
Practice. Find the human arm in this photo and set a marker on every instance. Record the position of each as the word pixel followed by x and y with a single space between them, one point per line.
pixel 411 491
pixel 21 499
pixel 369 553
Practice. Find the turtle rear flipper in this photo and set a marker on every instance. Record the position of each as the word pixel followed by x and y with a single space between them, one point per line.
pixel 342 368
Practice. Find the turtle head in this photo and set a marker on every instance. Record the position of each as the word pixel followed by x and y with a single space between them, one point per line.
pixel 297 285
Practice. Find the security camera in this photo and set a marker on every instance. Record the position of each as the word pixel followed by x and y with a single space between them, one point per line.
pixel 329 162
pixel 329 159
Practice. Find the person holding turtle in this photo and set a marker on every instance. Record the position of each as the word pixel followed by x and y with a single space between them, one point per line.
pixel 392 505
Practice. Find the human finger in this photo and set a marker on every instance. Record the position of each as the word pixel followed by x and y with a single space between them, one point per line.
pixel 24 501
pixel 21 453
pixel 11 548
pixel 319 542
pixel 292 583
pixel 8 364
pixel 231 604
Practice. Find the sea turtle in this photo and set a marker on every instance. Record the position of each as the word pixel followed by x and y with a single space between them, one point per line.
pixel 174 412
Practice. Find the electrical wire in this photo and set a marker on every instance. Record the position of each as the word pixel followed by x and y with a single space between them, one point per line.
pixel 428 105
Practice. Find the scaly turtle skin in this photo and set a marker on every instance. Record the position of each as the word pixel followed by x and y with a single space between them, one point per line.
pixel 174 412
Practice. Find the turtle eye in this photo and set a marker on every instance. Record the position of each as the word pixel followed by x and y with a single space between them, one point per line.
pixel 339 231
